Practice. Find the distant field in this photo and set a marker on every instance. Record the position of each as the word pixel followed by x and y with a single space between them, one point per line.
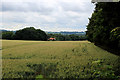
pixel 54 59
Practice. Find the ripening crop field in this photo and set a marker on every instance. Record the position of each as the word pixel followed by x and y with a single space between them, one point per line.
pixel 55 59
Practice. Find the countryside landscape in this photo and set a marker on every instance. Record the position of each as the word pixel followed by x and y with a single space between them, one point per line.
pixel 31 53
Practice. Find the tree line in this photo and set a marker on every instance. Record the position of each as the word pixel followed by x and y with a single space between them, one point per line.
pixel 30 33
pixel 104 26
pixel 72 37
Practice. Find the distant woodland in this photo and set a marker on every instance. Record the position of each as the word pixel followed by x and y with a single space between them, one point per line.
pixel 30 33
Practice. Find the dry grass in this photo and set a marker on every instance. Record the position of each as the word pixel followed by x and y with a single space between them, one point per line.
pixel 27 59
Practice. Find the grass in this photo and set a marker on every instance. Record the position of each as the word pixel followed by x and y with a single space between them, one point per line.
pixel 55 59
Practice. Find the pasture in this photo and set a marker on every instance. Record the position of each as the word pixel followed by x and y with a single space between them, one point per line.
pixel 56 59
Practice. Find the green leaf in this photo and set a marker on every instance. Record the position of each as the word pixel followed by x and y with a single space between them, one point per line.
pixel 39 76
pixel 98 61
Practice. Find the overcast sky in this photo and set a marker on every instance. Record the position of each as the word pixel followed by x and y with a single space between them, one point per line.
pixel 48 15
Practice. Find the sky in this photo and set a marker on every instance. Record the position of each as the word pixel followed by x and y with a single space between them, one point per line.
pixel 47 15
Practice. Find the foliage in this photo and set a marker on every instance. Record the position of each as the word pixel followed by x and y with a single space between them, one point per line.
pixel 30 33
pixel 39 76
pixel 115 37
pixel 103 23
pixel 7 35
pixel 103 71
pixel 72 37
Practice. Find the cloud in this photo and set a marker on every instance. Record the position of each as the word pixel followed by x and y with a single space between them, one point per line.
pixel 26 7
pixel 50 15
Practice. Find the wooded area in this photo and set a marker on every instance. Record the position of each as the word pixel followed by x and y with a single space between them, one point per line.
pixel 30 33
pixel 104 26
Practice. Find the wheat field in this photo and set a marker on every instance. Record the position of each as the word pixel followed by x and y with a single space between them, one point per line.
pixel 53 59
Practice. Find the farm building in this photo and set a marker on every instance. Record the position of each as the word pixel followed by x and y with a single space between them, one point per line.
pixel 51 39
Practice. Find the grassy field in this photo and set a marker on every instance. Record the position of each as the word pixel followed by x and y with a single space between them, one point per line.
pixel 56 59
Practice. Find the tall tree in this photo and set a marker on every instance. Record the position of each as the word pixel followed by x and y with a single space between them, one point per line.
pixel 102 23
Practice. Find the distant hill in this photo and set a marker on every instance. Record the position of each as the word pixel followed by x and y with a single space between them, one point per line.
pixel 61 32
pixel 67 33
pixel 3 30
pixel 6 30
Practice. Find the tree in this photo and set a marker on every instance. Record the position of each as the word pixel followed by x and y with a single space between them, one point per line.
pixel 7 35
pixel 41 35
pixel 104 19
pixel 30 33
pixel 72 37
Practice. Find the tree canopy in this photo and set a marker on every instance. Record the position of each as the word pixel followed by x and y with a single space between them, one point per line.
pixel 7 35
pixel 104 25
pixel 29 33
pixel 72 37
